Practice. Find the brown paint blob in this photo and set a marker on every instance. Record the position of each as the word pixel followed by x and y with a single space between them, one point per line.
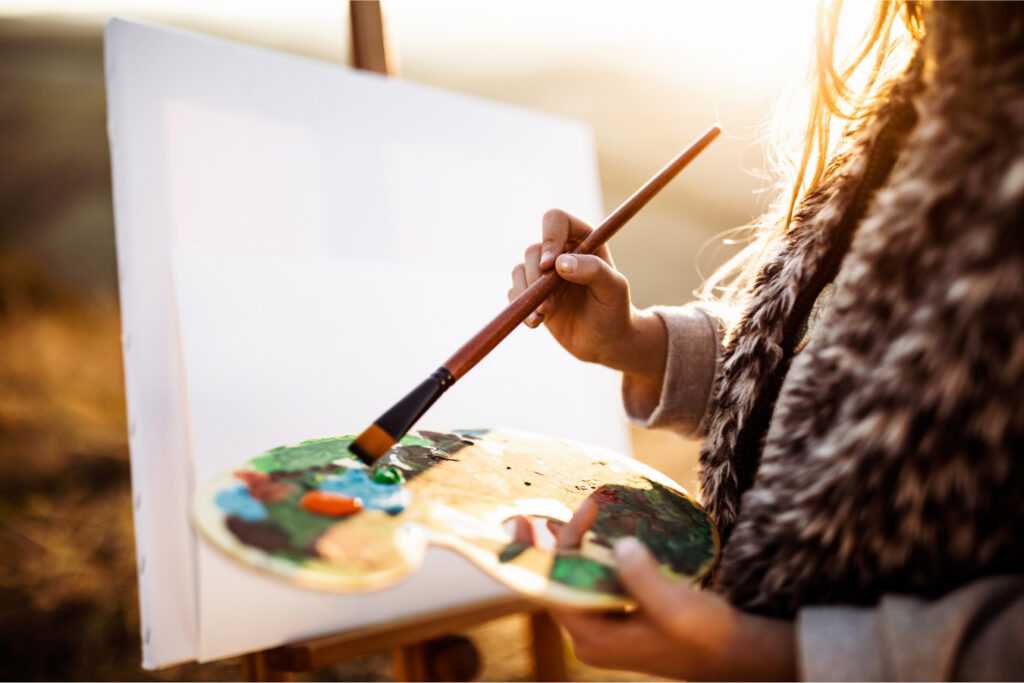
pixel 263 535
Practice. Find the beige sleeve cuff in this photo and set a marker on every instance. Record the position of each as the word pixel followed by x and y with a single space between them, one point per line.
pixel 972 633
pixel 680 400
pixel 839 643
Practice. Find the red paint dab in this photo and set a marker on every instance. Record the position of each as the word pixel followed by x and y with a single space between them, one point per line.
pixel 262 487
pixel 330 504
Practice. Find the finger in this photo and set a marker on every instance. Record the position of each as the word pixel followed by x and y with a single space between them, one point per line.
pixel 518 282
pixel 558 228
pixel 518 287
pixel 598 638
pixel 555 528
pixel 579 622
pixel 531 263
pixel 606 284
pixel 523 533
pixel 584 628
pixel 570 535
pixel 669 603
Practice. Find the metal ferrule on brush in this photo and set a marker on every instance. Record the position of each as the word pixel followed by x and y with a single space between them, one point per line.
pixel 392 425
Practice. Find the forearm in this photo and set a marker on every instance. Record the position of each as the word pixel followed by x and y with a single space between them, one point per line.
pixel 641 354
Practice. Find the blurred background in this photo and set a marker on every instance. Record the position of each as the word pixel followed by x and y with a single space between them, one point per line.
pixel 647 76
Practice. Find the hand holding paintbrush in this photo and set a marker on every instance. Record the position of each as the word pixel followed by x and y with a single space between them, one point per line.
pixel 378 438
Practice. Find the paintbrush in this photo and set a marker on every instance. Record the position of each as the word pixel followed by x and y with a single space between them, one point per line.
pixel 379 437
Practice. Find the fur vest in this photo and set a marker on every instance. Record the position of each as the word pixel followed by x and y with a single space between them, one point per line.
pixel 887 455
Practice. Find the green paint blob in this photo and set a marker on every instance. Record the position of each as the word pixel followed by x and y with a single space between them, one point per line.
pixel 312 453
pixel 586 574
pixel 413 440
pixel 388 475
pixel 511 551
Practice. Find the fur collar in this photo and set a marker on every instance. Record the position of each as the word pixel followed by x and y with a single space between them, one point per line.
pixel 891 461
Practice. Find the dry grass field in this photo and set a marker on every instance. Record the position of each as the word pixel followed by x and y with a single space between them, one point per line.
pixel 68 605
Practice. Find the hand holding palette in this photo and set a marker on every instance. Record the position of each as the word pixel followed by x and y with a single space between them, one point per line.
pixel 316 516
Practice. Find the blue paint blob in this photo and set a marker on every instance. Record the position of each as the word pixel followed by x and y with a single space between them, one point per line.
pixel 238 502
pixel 391 498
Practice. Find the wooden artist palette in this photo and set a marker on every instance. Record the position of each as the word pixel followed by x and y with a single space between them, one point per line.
pixel 285 511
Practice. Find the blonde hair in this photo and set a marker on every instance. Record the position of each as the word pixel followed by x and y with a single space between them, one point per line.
pixel 850 93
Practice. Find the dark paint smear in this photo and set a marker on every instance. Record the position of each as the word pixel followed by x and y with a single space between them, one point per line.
pixel 263 535
pixel 304 476
pixel 669 524
pixel 419 459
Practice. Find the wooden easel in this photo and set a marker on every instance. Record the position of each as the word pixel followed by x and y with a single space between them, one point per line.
pixel 424 647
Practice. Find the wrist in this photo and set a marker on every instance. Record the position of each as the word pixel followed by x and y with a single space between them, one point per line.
pixel 641 350
pixel 763 647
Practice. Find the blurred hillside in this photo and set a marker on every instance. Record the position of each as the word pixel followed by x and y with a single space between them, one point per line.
pixel 67 575
pixel 55 202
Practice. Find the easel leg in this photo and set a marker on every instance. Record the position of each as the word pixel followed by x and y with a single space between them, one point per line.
pixel 548 648
pixel 448 658
pixel 410 663
pixel 254 668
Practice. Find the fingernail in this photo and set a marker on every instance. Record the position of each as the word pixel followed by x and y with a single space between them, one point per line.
pixel 546 256
pixel 566 263
pixel 628 551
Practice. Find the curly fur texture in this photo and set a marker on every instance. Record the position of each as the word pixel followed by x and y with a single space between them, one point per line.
pixel 892 462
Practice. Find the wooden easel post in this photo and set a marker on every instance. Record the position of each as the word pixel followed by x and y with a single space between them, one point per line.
pixel 369 49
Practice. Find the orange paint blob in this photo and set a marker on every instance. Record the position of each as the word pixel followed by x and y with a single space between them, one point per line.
pixel 330 504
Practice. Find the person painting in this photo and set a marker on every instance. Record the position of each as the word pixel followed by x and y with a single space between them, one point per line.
pixel 856 374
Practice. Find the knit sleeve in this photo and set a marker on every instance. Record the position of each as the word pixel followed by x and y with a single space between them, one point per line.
pixel 972 633
pixel 679 401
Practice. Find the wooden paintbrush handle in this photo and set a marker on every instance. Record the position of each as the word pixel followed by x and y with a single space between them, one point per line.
pixel 473 351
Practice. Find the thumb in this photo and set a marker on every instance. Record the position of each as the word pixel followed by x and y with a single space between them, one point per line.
pixel 606 284
pixel 665 600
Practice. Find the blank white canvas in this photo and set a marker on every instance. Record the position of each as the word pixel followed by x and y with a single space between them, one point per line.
pixel 225 156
